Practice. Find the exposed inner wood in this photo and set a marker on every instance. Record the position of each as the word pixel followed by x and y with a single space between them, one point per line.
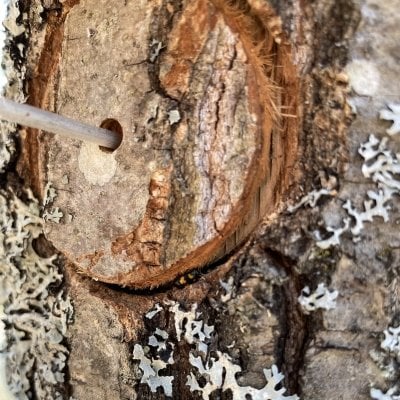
pixel 178 193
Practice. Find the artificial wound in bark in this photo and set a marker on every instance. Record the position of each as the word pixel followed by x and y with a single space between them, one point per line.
pixel 209 133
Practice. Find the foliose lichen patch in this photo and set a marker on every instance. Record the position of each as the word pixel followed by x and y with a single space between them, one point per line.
pixel 211 372
pixel 34 310
pixel 34 313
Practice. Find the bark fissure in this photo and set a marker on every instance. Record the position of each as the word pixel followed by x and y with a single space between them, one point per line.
pixel 295 334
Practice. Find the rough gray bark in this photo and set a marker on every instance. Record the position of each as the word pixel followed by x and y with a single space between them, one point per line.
pixel 331 354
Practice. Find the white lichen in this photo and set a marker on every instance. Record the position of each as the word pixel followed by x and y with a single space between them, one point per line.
pixel 217 373
pixel 152 313
pixel 311 199
pixel 375 206
pixel 190 327
pixel 392 114
pixel 16 75
pixel 35 318
pixel 382 166
pixel 151 367
pixel 50 194
pixel 155 48
pixel 7 145
pixel 334 239
pixel 321 298
pixel 3 15
pixel 391 347
pixel 159 339
pixel 34 312
pixel 377 394
pixel 228 287
pixel 54 215
pixel 174 117
pixel 392 341
pixel 221 374
pixel 372 148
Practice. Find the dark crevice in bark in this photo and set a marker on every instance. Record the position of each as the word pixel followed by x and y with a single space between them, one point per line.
pixel 55 7
pixel 162 25
pixel 294 323
pixel 325 26
pixel 323 145
pixel 333 29
pixel 181 281
pixel 332 25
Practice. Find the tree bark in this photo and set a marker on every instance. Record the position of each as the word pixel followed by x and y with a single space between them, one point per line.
pixel 232 112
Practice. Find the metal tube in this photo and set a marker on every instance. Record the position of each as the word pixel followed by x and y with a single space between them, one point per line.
pixel 34 117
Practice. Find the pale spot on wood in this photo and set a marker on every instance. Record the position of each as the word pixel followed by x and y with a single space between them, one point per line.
pixel 97 166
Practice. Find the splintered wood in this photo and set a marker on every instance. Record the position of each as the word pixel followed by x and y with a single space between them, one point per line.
pixel 207 99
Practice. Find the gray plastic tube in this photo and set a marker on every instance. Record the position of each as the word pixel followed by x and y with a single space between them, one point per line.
pixel 33 117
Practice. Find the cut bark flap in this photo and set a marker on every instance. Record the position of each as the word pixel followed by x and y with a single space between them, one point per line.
pixel 209 155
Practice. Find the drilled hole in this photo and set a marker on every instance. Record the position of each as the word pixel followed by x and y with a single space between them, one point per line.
pixel 112 125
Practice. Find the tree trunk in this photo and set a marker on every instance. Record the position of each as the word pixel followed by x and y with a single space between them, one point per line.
pixel 240 181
